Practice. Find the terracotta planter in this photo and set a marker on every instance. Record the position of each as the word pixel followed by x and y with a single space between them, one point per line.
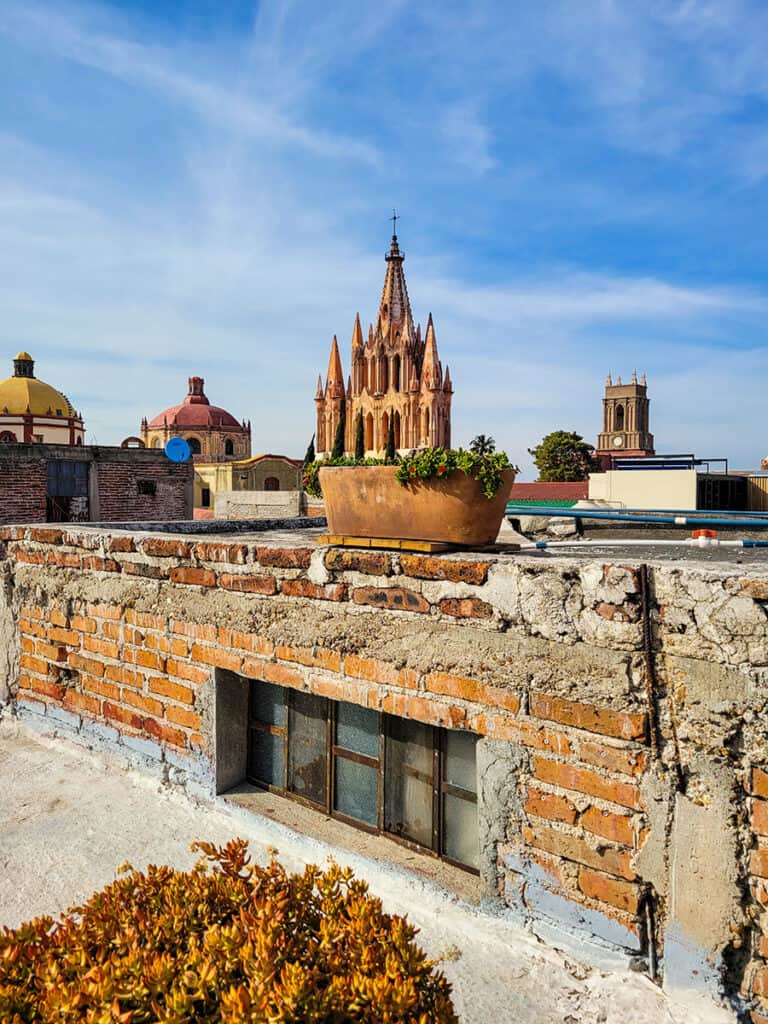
pixel 368 501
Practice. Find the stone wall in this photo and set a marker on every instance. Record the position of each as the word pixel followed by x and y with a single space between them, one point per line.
pixel 623 758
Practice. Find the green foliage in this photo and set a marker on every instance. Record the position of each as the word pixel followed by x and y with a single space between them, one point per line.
pixel 436 463
pixel 390 450
pixel 359 439
pixel 310 454
pixel 563 456
pixel 311 478
pixel 230 943
pixel 483 445
pixel 337 452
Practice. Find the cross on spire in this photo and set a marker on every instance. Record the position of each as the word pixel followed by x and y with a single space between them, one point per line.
pixel 394 218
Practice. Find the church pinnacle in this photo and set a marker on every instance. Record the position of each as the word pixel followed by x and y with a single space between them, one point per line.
pixel 397 378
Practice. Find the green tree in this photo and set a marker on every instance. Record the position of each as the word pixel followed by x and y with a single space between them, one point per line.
pixel 390 452
pixel 483 445
pixel 338 441
pixel 563 455
pixel 310 455
pixel 359 441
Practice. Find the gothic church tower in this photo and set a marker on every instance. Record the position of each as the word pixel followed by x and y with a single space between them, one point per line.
pixel 397 378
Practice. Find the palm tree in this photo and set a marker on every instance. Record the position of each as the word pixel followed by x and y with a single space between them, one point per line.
pixel 483 445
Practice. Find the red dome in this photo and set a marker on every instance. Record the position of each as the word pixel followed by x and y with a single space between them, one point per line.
pixel 196 411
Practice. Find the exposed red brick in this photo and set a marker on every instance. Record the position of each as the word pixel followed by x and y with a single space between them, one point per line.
pixel 59 635
pixel 93 668
pixel 617 827
pixel 84 623
pixel 56 617
pixel 30 557
pixel 124 676
pixel 395 598
pixel 106 648
pixel 120 544
pixel 95 563
pixel 758 862
pixel 175 691
pixel 51 652
pixel 313 657
pixel 146 620
pixel 152 572
pixel 426 709
pixel 247 584
pixel 193 577
pixel 760 817
pixel 92 685
pixel 46 535
pixel 565 844
pixel 621 724
pixel 246 642
pixel 217 656
pixel 380 672
pixel 82 702
pixel 31 628
pixel 466 608
pixel 626 612
pixel 147 704
pixel 427 567
pixel 372 563
pixel 49 688
pixel 32 664
pixel 615 893
pixel 120 714
pixel 282 675
pixel 284 558
pixel 615 759
pixel 759 782
pixel 472 690
pixel 549 805
pixel 192 673
pixel 63 559
pixel 236 554
pixel 317 591
pixel 584 780
pixel 144 659
pixel 106 611
pixel 162 547
pixel 183 716
pixel 165 733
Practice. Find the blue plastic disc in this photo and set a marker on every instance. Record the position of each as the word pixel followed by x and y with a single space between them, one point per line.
pixel 177 450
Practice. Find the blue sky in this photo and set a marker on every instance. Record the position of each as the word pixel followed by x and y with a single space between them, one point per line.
pixel 203 188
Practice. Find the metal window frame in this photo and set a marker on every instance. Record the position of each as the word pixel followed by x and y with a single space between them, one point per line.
pixel 333 750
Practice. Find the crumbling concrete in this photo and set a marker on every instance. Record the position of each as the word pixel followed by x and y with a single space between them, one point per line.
pixel 623 754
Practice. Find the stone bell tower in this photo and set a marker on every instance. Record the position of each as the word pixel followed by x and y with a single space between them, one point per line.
pixel 625 419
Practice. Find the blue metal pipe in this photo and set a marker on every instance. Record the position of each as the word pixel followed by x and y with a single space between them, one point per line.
pixel 625 517
pixel 644 511
pixel 746 542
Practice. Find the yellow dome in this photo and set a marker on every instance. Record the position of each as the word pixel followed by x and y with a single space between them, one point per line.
pixel 23 355
pixel 19 393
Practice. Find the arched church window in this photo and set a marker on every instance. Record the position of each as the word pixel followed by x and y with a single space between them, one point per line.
pixel 384 430
pixel 426 427
pixel 271 483
pixel 619 417
pixel 7 437
pixel 396 373
pixel 369 432
pixel 229 448
pixel 397 431
pixel 157 443
pixel 194 445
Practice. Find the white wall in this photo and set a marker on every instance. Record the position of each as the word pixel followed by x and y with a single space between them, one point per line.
pixel 645 488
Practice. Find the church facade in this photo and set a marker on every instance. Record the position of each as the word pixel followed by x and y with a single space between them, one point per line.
pixel 397 382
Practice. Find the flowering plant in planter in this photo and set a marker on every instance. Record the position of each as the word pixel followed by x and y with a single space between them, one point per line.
pixel 487 467
pixel 436 463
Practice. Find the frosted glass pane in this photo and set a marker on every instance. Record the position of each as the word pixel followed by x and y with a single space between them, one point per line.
pixel 307 747
pixel 265 758
pixel 357 729
pixel 267 703
pixel 460 767
pixel 460 841
pixel 357 790
pixel 407 798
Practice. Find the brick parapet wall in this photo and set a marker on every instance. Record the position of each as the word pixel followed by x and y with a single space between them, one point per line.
pixel 542 658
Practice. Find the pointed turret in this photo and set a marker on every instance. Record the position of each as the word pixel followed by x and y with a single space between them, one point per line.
pixel 349 384
pixel 357 334
pixel 431 372
pixel 634 376
pixel 643 381
pixel 334 382
pixel 395 306
pixel 608 381
pixel 319 392
pixel 448 383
